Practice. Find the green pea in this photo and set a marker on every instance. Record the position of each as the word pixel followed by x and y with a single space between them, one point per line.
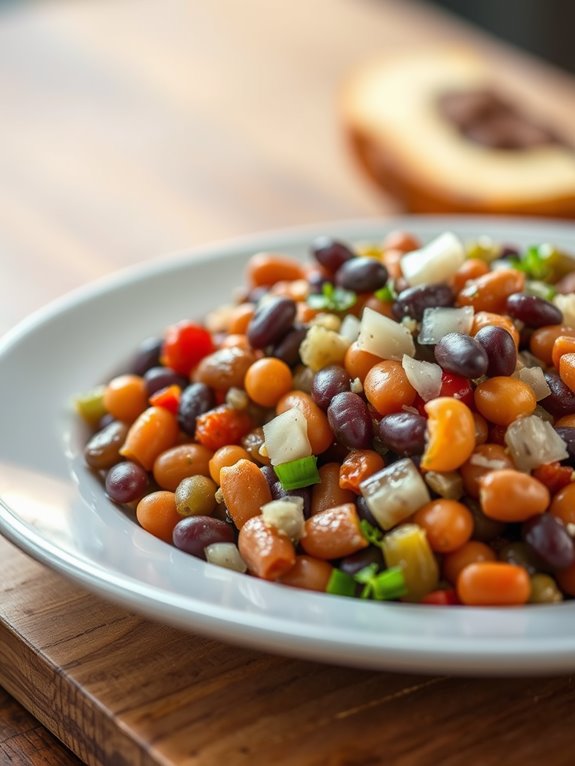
pixel 196 496
pixel 544 590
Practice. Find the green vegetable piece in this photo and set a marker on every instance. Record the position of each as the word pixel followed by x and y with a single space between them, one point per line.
pixel 387 292
pixel 540 290
pixel 385 586
pixel 341 584
pixel 91 405
pixel 298 473
pixel 372 534
pixel 332 299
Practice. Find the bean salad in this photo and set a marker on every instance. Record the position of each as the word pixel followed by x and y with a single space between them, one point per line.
pixel 390 421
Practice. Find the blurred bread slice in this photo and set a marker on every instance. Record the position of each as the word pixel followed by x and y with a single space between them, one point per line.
pixel 406 143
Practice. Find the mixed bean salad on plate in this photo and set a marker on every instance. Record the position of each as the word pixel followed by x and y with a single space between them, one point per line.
pixel 390 421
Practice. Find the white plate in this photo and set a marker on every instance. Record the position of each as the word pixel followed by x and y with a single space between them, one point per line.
pixel 57 512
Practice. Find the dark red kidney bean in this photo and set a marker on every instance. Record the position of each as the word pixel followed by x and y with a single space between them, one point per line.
pixel 350 420
pixel 330 253
pixel 533 311
pixel 103 449
pixel 157 378
pixel 362 275
pixel 270 475
pixel 327 383
pixel 147 356
pixel 126 482
pixel 460 353
pixel 272 320
pixel 195 400
pixel 500 349
pixel 288 348
pixel 194 533
pixel 403 433
pixel 561 400
pixel 279 493
pixel 547 536
pixel 568 436
pixel 413 301
pixel 354 563
pixel 364 513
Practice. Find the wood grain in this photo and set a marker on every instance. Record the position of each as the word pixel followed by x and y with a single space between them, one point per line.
pixel 134 128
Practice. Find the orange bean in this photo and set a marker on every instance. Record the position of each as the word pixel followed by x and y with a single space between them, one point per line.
pixel 391 259
pixel 357 466
pixel 154 431
pixel 296 289
pixel 319 433
pixel 563 505
pixel 511 496
pixel 381 307
pixel 308 573
pixel 157 514
pixel 225 368
pixel 268 554
pixel 226 456
pixel 447 523
pixel 333 533
pixel 179 462
pixel 470 553
pixel 562 345
pixel 267 380
pixel 493 583
pixel 240 317
pixel 490 291
pixel 472 268
pixel 501 400
pixel 481 429
pixel 237 340
pixel 401 240
pixel 358 362
pixel 265 269
pixel 450 434
pixel 488 319
pixel 328 493
pixel 387 388
pixel 125 397
pixel 543 340
pixel 245 490
pixel 567 421
pixel 484 458
pixel 567 370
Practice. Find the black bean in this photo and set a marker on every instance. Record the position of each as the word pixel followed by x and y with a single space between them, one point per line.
pixel 413 301
pixel 330 253
pixel 147 356
pixel 533 311
pixel 549 538
pixel 354 563
pixel 327 383
pixel 561 400
pixel 157 378
pixel 195 399
pixel 271 322
pixel 350 420
pixel 288 348
pixel 362 275
pixel 568 436
pixel 500 349
pixel 460 353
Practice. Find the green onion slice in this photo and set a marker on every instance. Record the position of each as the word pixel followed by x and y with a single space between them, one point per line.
pixel 340 584
pixel 298 473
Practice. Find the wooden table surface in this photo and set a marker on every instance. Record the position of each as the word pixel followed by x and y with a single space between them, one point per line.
pixel 134 128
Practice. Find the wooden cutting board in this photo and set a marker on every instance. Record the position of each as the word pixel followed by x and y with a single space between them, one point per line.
pixel 123 691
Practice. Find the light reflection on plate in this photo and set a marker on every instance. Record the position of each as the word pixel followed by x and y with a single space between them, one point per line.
pixel 55 509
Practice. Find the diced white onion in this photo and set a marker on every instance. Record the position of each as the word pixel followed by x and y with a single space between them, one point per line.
pixel 285 437
pixel 384 337
pixel 449 485
pixel 287 516
pixel 225 555
pixel 394 493
pixel 533 442
pixel 425 377
pixel 436 262
pixel 349 329
pixel 535 379
pixel 566 304
pixel 437 322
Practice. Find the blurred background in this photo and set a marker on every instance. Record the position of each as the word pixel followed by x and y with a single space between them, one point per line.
pixel 133 128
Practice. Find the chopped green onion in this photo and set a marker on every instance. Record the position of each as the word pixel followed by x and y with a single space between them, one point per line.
pixel 372 534
pixel 387 292
pixel 385 586
pixel 540 290
pixel 298 473
pixel 332 298
pixel 533 262
pixel 340 584
pixel 91 405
